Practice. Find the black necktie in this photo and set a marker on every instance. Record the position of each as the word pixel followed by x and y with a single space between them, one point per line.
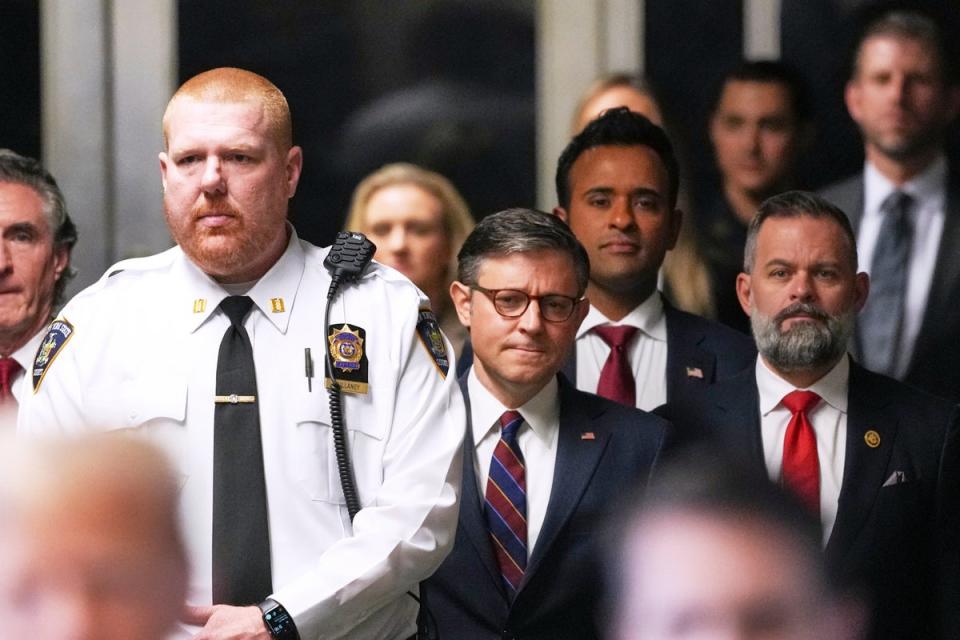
pixel 241 539
pixel 880 324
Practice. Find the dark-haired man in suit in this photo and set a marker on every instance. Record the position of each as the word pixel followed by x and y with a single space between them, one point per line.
pixel 617 184
pixel 905 204
pixel 543 462
pixel 866 453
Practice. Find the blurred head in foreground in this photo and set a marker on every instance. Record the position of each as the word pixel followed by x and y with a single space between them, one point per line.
pixel 89 541
pixel 715 554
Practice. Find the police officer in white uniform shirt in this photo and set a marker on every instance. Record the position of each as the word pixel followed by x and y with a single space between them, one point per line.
pixel 37 236
pixel 145 349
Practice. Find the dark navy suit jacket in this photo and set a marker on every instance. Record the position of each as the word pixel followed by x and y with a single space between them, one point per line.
pixel 894 535
pixel 605 452
pixel 699 352
pixel 935 363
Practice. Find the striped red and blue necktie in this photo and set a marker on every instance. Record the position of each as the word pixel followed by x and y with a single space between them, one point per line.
pixel 506 504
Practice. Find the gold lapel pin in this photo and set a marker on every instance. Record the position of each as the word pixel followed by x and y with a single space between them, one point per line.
pixel 199 305
pixel 872 438
pixel 276 305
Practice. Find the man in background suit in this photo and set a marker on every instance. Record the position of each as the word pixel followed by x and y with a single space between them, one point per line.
pixel 905 205
pixel 865 453
pixel 617 184
pixel 543 462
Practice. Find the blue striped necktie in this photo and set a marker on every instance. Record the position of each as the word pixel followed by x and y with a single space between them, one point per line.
pixel 506 504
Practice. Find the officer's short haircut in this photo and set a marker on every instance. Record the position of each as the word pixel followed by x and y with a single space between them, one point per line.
pixel 18 169
pixel 908 24
pixel 793 204
pixel 770 72
pixel 618 127
pixel 520 231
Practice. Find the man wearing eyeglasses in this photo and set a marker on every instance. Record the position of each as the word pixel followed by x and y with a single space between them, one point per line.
pixel 617 184
pixel 543 462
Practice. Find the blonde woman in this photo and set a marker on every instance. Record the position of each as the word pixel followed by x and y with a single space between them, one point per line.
pixel 418 221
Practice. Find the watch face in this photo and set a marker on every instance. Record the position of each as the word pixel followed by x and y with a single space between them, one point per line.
pixel 280 623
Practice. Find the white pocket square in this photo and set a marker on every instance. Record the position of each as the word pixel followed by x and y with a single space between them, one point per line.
pixel 897 477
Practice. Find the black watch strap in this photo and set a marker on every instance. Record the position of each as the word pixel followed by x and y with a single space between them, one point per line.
pixel 278 622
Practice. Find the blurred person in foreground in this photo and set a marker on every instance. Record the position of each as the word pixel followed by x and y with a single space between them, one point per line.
pixel 36 237
pixel 418 221
pixel 90 547
pixel 711 554
pixel 872 458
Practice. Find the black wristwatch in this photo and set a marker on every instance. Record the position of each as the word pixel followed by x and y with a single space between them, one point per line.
pixel 279 622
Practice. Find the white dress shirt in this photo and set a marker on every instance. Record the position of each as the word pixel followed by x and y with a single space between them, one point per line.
pixel 143 357
pixel 927 215
pixel 537 439
pixel 647 351
pixel 829 421
pixel 20 385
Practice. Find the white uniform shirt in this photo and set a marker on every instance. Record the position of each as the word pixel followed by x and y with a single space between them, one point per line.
pixel 537 440
pixel 829 421
pixel 143 356
pixel 928 213
pixel 20 385
pixel 647 351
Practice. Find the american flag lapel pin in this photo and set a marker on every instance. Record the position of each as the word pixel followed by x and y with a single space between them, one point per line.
pixel 695 372
pixel 588 435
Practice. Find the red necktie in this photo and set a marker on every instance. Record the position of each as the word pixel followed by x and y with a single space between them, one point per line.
pixel 801 466
pixel 616 378
pixel 506 504
pixel 8 369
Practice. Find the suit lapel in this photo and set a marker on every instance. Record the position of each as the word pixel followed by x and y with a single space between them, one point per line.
pixel 946 276
pixel 576 461
pixel 738 401
pixel 471 504
pixel 686 361
pixel 864 465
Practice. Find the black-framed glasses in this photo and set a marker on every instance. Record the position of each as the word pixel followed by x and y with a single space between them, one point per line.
pixel 511 303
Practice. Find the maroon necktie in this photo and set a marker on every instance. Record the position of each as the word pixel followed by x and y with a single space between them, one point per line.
pixel 616 378
pixel 801 466
pixel 8 369
pixel 506 504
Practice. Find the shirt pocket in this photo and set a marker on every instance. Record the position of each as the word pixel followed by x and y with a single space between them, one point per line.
pixel 317 469
pixel 153 407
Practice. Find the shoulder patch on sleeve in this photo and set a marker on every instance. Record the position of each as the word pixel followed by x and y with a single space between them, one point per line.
pixel 58 335
pixel 428 329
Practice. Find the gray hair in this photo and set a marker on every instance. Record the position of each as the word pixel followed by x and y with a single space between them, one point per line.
pixel 18 169
pixel 793 204
pixel 520 231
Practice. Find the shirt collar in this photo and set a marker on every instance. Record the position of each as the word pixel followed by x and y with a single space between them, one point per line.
pixel 927 187
pixel 832 387
pixel 648 316
pixel 274 293
pixel 541 412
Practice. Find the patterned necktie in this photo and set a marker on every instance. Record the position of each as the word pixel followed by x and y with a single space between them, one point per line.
pixel 506 504
pixel 801 465
pixel 8 369
pixel 241 539
pixel 616 378
pixel 880 324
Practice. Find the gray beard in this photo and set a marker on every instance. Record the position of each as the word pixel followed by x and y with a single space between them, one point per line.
pixel 806 345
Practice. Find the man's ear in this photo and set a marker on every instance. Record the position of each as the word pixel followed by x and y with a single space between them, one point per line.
pixel 561 213
pixel 164 159
pixel 862 288
pixel 743 291
pixel 462 296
